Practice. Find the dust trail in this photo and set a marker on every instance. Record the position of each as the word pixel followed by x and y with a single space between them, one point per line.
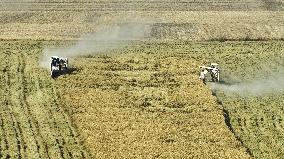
pixel 113 37
pixel 261 87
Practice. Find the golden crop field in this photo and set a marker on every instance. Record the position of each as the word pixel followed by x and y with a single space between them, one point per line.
pixel 255 106
pixel 141 98
pixel 169 20
pixel 146 104
pixel 33 122
pixel 159 82
pixel 107 109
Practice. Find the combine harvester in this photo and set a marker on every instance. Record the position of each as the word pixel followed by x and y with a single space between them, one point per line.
pixel 214 71
pixel 57 65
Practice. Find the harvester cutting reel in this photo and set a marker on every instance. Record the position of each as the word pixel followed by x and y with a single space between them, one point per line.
pixel 213 70
pixel 57 65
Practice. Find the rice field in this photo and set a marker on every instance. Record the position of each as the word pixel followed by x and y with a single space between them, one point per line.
pixel 180 20
pixel 33 122
pixel 162 78
pixel 147 102
pixel 142 99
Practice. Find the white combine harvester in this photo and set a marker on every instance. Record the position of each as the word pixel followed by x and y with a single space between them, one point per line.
pixel 57 64
pixel 214 71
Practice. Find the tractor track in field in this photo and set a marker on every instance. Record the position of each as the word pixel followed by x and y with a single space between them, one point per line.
pixel 31 126
pixel 25 105
pixel 9 108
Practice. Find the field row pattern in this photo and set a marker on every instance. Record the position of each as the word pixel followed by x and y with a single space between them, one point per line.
pixel 256 120
pixel 33 125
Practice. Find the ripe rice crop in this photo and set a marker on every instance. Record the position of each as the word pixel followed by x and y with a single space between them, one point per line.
pixel 143 100
pixel 146 101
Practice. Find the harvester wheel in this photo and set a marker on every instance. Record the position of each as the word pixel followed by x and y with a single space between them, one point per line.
pixel 52 74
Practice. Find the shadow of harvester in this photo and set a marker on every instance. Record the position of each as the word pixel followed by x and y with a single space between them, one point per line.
pixel 56 74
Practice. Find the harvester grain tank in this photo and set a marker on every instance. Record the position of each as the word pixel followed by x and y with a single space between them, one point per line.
pixel 57 65
pixel 213 70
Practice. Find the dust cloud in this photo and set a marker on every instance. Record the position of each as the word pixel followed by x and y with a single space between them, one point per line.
pixel 114 37
pixel 260 87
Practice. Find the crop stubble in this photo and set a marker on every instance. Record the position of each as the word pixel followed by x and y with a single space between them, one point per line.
pixel 33 125
pixel 182 20
pixel 119 90
pixel 145 100
pixel 256 120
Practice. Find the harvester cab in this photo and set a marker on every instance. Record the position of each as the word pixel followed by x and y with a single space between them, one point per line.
pixel 57 64
pixel 214 71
